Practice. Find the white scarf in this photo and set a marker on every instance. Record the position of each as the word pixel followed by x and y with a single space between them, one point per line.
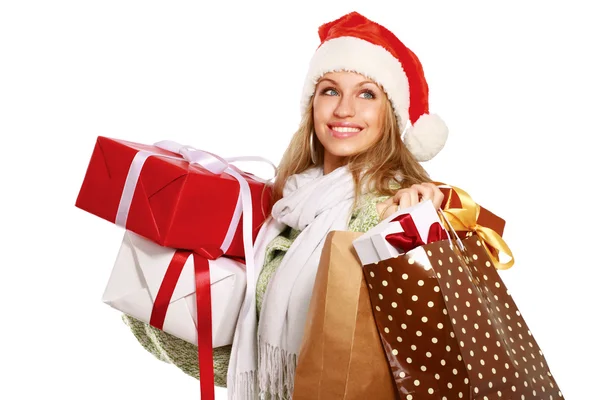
pixel 315 204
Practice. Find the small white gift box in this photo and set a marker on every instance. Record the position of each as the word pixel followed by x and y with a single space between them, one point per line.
pixel 373 246
pixel 138 274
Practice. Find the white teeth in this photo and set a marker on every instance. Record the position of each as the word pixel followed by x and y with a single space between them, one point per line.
pixel 342 129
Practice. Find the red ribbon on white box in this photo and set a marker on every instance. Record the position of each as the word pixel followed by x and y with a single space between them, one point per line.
pixel 410 238
pixel 203 309
pixel 375 246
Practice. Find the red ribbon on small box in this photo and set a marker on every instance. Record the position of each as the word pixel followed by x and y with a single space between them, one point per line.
pixel 203 308
pixel 410 238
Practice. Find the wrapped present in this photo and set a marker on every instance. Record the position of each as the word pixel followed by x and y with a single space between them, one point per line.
pixel 399 233
pixel 171 289
pixel 375 244
pixel 449 327
pixel 468 217
pixel 457 199
pixel 140 271
pixel 185 201
pixel 341 356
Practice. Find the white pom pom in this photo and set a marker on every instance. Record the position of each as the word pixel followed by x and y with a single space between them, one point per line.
pixel 426 137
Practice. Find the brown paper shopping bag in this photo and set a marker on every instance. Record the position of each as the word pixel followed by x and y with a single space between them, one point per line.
pixel 450 328
pixel 341 356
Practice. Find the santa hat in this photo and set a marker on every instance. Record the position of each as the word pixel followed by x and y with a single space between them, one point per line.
pixel 354 43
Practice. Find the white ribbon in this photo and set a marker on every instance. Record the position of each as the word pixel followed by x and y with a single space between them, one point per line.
pixel 215 165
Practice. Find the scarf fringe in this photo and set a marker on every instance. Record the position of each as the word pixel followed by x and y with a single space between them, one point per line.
pixel 277 370
pixel 244 387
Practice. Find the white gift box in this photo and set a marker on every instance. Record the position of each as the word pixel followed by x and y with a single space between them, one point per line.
pixel 138 273
pixel 373 247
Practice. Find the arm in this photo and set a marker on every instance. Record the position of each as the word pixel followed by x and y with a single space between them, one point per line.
pixel 182 354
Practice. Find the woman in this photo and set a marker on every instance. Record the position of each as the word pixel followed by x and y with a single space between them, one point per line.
pixel 346 168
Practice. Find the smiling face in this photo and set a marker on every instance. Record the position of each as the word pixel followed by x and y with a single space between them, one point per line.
pixel 348 115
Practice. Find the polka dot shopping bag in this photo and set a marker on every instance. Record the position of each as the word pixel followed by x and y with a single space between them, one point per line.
pixel 449 326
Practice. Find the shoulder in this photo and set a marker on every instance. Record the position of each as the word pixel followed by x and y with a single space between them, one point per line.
pixel 372 198
pixel 365 216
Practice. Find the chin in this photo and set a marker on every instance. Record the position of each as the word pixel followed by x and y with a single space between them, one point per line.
pixel 344 151
pixel 349 146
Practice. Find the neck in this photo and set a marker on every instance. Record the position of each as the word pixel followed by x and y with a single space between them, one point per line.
pixel 331 163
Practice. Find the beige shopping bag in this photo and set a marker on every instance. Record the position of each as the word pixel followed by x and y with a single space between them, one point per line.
pixel 341 356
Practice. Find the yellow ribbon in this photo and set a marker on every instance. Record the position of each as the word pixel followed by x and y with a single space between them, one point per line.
pixel 465 219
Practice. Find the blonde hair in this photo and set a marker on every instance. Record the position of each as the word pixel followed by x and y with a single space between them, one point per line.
pixel 385 165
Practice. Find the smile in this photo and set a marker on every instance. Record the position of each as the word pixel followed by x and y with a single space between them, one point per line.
pixel 343 132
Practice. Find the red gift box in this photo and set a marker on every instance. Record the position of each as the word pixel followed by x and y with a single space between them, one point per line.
pixel 174 203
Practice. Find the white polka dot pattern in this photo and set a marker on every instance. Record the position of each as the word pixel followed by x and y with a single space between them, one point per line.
pixel 451 330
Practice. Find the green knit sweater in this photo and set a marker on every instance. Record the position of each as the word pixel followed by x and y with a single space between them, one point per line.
pixel 184 355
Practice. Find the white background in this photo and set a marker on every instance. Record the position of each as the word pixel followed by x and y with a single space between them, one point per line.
pixel 517 83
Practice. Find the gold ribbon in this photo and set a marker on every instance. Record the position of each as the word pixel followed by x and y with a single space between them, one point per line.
pixel 465 219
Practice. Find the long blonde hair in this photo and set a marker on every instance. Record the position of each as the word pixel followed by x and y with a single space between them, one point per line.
pixel 385 165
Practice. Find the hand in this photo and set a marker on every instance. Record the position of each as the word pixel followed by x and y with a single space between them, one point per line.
pixel 409 197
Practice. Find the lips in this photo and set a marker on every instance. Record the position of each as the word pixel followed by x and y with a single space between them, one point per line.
pixel 344 125
pixel 344 131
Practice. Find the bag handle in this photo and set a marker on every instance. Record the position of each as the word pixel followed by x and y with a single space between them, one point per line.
pixel 450 229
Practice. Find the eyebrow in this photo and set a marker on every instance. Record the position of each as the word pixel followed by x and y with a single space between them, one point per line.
pixel 334 82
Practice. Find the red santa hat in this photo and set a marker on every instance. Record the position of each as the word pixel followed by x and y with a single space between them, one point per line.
pixel 354 43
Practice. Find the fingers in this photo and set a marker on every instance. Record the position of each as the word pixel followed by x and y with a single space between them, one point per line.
pixel 414 198
pixel 425 191
pixel 409 197
pixel 435 194
pixel 406 197
pixel 438 197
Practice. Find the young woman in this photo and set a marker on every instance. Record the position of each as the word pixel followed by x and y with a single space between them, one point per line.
pixel 353 161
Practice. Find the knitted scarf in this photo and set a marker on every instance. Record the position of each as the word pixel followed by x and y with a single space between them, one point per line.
pixel 263 358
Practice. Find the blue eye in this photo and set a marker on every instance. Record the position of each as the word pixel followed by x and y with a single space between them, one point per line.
pixel 328 92
pixel 370 95
pixel 367 94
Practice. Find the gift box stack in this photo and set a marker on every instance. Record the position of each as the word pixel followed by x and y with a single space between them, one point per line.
pixel 447 324
pixel 186 262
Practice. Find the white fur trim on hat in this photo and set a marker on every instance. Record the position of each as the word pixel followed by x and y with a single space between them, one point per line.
pixel 426 137
pixel 373 61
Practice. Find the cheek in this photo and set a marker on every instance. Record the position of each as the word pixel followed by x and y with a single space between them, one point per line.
pixel 373 116
pixel 321 111
pixel 321 116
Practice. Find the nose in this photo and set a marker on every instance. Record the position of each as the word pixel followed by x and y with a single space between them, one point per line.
pixel 345 107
